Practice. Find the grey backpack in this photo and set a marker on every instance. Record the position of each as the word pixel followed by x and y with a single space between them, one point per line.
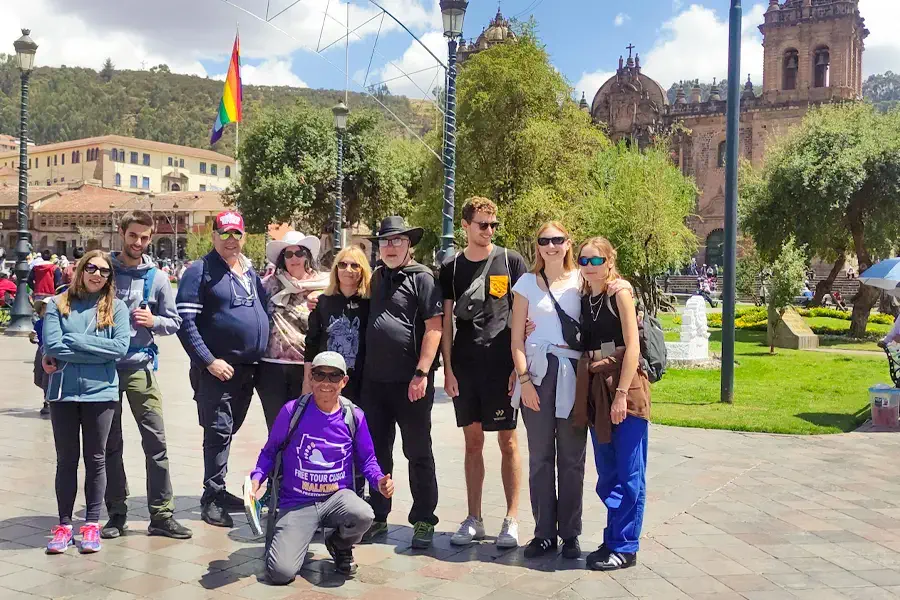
pixel 653 345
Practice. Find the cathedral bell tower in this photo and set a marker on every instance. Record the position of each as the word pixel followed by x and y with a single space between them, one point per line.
pixel 813 51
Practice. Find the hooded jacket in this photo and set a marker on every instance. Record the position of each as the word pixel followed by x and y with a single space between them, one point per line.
pixel 130 283
pixel 44 279
pixel 86 357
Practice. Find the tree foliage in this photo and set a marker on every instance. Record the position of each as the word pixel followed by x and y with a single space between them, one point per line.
pixel 521 141
pixel 108 70
pixel 788 272
pixel 883 90
pixel 69 103
pixel 641 205
pixel 834 184
pixel 288 164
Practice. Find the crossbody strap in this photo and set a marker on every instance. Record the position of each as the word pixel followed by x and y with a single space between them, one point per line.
pixel 559 309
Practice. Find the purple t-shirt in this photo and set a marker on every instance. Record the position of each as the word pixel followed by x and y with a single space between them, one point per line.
pixel 317 460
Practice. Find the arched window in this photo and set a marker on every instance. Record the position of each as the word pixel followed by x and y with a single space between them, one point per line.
pixel 821 65
pixel 115 155
pixel 791 65
pixel 715 247
pixel 227 171
pixel 118 178
pixel 720 155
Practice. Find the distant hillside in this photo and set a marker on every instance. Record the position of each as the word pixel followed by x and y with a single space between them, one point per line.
pixel 68 103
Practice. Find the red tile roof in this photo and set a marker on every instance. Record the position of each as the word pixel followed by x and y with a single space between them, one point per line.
pixel 128 142
pixel 9 194
pixel 84 199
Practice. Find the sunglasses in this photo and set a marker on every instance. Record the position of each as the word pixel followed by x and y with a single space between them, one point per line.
pixel 292 253
pixel 227 235
pixel 556 240
pixel 594 261
pixel 92 269
pixel 349 266
pixel 395 242
pixel 483 225
pixel 332 376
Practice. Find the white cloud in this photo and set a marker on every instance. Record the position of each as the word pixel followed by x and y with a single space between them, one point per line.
pixel 182 34
pixel 694 44
pixel 883 45
pixel 621 19
pixel 277 71
pixel 590 83
pixel 416 73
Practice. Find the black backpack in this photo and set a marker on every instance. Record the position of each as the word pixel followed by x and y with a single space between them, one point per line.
pixel 653 344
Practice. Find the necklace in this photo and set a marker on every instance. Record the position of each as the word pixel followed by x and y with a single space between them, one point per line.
pixel 598 306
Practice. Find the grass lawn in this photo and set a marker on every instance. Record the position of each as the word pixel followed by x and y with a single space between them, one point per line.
pixel 791 392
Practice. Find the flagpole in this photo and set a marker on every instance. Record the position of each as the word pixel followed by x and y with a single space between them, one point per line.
pixel 237 126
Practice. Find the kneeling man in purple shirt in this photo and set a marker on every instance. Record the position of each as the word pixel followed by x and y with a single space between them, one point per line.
pixel 320 456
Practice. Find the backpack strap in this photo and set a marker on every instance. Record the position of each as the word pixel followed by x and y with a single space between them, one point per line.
pixel 151 349
pixel 347 407
pixel 149 276
pixel 275 475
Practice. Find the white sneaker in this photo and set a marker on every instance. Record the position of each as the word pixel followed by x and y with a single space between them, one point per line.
pixel 471 529
pixel 509 534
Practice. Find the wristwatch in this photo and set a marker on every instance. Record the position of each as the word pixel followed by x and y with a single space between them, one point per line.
pixel 421 373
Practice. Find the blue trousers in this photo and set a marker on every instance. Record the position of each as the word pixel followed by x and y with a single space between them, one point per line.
pixel 622 482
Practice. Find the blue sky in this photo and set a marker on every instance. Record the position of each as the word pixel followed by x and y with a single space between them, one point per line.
pixel 677 39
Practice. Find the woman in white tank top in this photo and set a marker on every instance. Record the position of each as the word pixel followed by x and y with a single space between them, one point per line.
pixel 545 367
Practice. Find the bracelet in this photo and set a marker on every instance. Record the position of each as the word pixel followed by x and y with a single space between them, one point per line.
pixel 524 377
pixel 624 391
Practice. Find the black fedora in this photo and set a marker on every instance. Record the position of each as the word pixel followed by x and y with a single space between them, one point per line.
pixel 395 225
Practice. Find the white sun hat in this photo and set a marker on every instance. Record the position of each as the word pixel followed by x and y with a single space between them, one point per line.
pixel 292 238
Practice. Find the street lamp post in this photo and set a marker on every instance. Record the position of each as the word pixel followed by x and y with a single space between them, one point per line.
pixel 20 321
pixel 112 227
pixel 453 13
pixel 732 139
pixel 175 231
pixel 340 125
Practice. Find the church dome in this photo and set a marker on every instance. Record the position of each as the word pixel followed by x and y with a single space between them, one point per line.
pixel 497 31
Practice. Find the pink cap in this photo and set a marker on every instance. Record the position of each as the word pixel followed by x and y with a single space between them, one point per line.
pixel 229 220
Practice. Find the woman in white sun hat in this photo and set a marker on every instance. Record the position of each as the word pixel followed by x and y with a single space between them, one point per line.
pixel 280 376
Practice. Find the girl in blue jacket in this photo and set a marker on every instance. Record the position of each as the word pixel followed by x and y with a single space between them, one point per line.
pixel 86 330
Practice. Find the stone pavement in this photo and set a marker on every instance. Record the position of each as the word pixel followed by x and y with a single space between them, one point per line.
pixel 729 515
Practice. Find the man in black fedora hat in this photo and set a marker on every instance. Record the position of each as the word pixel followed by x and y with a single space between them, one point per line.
pixel 404 333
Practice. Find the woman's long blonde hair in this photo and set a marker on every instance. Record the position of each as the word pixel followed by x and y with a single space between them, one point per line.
pixel 569 263
pixel 606 250
pixel 365 273
pixel 78 290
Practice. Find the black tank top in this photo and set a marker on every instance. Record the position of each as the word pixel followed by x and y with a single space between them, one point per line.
pixel 598 322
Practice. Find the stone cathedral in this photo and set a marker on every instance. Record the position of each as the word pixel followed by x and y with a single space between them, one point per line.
pixel 812 54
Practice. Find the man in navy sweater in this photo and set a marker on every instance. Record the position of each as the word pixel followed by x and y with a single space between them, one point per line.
pixel 224 330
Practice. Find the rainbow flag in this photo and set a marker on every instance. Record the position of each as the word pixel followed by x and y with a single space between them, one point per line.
pixel 230 110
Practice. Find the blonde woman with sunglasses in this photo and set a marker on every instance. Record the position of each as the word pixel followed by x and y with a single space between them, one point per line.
pixel 338 322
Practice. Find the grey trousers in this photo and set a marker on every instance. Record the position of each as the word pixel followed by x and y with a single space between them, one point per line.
pixel 345 512
pixel 554 445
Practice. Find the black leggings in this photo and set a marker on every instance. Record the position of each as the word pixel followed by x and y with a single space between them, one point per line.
pixel 69 420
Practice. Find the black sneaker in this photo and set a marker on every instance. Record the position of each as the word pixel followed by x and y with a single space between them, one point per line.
pixel 377 529
pixel 216 514
pixel 169 528
pixel 598 555
pixel 571 548
pixel 539 546
pixel 45 410
pixel 114 527
pixel 230 502
pixel 614 561
pixel 343 559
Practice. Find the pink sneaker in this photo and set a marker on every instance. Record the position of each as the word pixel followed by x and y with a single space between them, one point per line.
pixel 62 539
pixel 90 538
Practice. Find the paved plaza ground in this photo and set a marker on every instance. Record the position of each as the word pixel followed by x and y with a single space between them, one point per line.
pixel 729 515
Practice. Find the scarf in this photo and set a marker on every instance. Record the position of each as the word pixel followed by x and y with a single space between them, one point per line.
pixel 292 286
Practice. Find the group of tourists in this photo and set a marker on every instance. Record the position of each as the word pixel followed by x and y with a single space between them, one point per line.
pixel 340 359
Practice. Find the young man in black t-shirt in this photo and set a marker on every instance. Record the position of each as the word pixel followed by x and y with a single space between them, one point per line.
pixel 478 367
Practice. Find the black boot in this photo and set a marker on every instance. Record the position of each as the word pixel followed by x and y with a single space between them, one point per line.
pixel 169 528
pixel 114 527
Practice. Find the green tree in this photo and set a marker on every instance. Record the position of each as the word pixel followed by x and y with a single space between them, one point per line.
pixel 641 206
pixel 788 272
pixel 109 69
pixel 288 169
pixel 521 141
pixel 833 183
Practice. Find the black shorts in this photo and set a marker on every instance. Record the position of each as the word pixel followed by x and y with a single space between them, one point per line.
pixel 484 395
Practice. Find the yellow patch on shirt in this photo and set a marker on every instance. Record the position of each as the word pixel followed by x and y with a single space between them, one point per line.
pixel 499 285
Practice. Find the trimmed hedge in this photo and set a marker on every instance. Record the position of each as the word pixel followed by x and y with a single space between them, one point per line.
pixel 833 313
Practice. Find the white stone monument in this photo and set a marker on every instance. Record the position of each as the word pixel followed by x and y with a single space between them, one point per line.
pixel 693 349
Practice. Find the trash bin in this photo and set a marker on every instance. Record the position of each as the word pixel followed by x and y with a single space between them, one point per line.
pixel 885 407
